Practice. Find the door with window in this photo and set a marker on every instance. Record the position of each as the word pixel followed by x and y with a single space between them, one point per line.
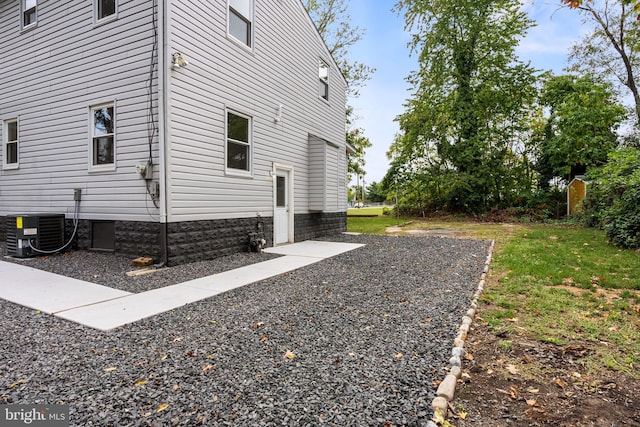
pixel 281 220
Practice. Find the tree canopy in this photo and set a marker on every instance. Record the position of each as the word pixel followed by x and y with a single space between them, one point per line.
pixel 471 100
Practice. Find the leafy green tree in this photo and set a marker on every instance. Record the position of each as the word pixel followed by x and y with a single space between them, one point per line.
pixel 580 131
pixel 611 50
pixel 333 22
pixel 613 198
pixel 376 193
pixel 466 125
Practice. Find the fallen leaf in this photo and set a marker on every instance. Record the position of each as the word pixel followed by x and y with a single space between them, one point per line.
pixel 513 392
pixel 141 382
pixel 289 355
pixel 533 390
pixel 112 368
pixel 190 354
pixel 18 383
pixel 577 375
pixel 462 415
pixel 560 383
pixel 399 356
pixel 468 356
pixel 613 329
pixel 164 357
pixel 489 371
pixel 177 339
pixel 207 368
pixel 213 322
pixel 532 402
pixel 287 326
pixel 162 407
pixel 176 388
pixel 465 376
pixel 535 413
pixel 513 319
pixel 264 339
pixel 256 325
pixel 512 369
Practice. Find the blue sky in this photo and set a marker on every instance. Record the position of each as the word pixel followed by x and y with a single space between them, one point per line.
pixel 384 47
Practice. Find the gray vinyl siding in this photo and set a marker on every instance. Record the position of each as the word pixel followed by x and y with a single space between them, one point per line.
pixel 51 75
pixel 281 69
pixel 327 176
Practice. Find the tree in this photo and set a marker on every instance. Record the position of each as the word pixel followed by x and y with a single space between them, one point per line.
pixel 376 193
pixel 613 199
pixel 610 51
pixel 580 132
pixel 469 114
pixel 333 22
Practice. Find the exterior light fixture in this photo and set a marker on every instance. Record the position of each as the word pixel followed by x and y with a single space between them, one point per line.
pixel 177 61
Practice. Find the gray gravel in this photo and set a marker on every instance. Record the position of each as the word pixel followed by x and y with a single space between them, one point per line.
pixel 371 330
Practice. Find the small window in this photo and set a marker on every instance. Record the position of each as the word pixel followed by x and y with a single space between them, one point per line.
pixel 281 191
pixel 241 21
pixel 29 13
pixel 10 157
pixel 323 80
pixel 238 142
pixel 103 145
pixel 105 10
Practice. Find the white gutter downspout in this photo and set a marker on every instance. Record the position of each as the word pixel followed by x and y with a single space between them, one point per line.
pixel 163 118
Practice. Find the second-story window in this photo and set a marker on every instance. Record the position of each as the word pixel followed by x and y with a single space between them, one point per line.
pixel 29 13
pixel 323 80
pixel 105 9
pixel 241 21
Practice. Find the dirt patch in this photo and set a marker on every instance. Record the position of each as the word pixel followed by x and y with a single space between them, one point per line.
pixel 521 383
pixel 438 232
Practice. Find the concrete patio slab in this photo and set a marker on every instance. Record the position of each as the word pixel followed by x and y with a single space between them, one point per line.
pixel 49 292
pixel 105 308
pixel 314 248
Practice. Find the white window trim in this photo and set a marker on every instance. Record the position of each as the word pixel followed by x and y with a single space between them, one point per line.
pixel 327 80
pixel 33 24
pixel 5 142
pixel 233 171
pixel 110 166
pixel 253 27
pixel 97 22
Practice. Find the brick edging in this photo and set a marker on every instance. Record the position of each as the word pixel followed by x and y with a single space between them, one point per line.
pixel 447 388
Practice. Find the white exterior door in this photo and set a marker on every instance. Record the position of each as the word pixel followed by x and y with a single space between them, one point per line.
pixel 281 223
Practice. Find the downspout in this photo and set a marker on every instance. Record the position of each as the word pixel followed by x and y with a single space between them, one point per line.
pixel 163 135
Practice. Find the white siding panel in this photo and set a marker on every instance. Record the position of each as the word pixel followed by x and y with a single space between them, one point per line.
pixel 65 65
pixel 282 70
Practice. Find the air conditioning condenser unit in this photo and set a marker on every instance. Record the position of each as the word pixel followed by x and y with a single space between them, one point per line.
pixel 45 232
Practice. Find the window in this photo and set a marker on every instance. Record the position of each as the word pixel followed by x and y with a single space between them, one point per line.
pixel 10 152
pixel 103 146
pixel 238 142
pixel 241 21
pixel 323 80
pixel 29 10
pixel 105 10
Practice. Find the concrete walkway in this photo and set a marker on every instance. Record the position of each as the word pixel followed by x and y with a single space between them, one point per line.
pixel 105 308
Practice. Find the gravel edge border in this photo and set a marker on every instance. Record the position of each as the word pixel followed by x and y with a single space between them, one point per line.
pixel 447 388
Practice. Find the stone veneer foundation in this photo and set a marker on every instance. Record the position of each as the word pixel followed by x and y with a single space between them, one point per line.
pixel 191 241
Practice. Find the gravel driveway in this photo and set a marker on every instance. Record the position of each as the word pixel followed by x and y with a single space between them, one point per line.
pixel 366 334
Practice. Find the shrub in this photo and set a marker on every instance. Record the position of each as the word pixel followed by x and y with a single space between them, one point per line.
pixel 613 198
